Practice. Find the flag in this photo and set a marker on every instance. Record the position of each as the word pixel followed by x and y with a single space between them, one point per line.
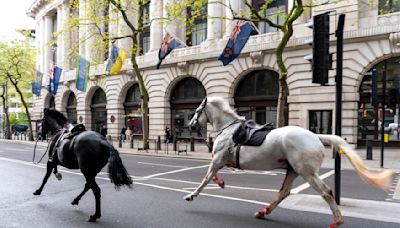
pixel 55 75
pixel 37 83
pixel 238 38
pixel 116 60
pixel 168 44
pixel 82 73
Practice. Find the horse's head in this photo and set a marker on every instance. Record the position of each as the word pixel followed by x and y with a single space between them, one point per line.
pixel 53 121
pixel 200 116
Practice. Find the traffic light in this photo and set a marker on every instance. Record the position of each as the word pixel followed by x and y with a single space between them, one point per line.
pixel 393 98
pixel 321 58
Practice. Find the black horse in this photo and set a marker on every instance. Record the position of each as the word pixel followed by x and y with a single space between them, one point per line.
pixel 88 151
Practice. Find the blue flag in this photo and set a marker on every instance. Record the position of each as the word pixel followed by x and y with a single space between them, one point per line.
pixel 237 40
pixel 169 43
pixel 55 79
pixel 37 83
pixel 82 73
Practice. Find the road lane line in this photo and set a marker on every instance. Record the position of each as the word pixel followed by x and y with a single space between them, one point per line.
pixel 396 194
pixel 175 171
pixel 165 165
pixel 307 185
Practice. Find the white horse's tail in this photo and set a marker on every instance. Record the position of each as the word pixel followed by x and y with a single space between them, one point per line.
pixel 380 179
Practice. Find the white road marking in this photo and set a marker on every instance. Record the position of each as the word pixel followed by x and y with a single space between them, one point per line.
pixel 175 171
pixel 159 164
pixel 307 185
pixel 149 185
pixel 397 192
pixel 236 171
pixel 16 149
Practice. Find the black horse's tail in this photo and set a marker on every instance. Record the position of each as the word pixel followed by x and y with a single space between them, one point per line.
pixel 116 170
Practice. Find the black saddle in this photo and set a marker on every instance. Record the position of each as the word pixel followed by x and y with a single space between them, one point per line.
pixel 62 148
pixel 251 134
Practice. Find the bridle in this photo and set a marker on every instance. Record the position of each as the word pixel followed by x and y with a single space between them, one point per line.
pixel 200 111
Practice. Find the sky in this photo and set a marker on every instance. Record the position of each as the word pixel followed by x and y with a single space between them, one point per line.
pixel 13 16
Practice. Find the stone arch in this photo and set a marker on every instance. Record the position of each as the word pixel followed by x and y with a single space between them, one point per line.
pixel 184 97
pixel 49 100
pixel 256 95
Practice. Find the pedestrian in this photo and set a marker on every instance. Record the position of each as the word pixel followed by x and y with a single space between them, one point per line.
pixel 167 134
pixel 122 134
pixel 103 130
pixel 128 133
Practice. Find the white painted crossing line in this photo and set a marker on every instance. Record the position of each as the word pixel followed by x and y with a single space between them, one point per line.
pixel 307 185
pixel 164 165
pixel 176 171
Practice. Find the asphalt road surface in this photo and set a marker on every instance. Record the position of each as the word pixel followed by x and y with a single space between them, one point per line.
pixel 156 198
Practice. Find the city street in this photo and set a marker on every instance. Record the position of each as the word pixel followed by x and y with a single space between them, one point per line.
pixel 156 198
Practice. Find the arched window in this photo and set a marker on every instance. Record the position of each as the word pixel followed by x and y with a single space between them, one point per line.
pixel 370 115
pixel 133 114
pixel 71 108
pixel 186 97
pixel 99 111
pixel 256 96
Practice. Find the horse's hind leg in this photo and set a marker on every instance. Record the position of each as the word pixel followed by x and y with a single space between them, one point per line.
pixel 50 166
pixel 76 200
pixel 326 193
pixel 91 182
pixel 283 193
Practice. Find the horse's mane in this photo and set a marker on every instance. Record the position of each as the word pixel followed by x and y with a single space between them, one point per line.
pixel 224 106
pixel 56 115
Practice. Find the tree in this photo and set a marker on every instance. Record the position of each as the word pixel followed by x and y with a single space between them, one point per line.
pixel 96 20
pixel 3 95
pixel 253 14
pixel 17 59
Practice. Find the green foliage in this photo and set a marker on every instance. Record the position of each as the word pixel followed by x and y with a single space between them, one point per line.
pixel 21 118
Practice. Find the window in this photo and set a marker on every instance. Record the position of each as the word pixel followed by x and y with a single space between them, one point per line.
pixel 320 121
pixel 197 32
pixel 388 6
pixel 145 34
pixel 275 11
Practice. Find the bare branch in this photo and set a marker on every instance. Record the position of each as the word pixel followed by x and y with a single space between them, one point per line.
pixel 255 13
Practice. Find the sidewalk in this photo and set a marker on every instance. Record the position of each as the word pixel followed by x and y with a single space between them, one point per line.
pixel 366 209
pixel 391 155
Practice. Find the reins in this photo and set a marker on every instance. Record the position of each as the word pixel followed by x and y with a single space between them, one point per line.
pixel 34 152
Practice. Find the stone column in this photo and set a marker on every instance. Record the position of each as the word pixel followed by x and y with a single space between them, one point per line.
pixel 236 6
pixel 214 21
pixel 48 52
pixel 60 37
pixel 156 28
pixel 82 29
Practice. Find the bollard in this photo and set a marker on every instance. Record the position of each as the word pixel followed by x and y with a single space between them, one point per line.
pixel 120 142
pixel 25 136
pixel 210 144
pixel 131 141
pixel 158 142
pixel 192 144
pixel 369 150
pixel 174 142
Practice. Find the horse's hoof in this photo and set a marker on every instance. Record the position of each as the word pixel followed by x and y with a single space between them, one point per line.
pixel 188 197
pixel 93 218
pixel 58 176
pixel 75 202
pixel 222 184
pixel 259 214
pixel 336 223
pixel 37 192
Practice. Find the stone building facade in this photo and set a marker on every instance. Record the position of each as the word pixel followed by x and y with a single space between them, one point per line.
pixel 372 39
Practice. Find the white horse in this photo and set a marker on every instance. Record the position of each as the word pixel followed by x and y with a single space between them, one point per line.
pixel 295 149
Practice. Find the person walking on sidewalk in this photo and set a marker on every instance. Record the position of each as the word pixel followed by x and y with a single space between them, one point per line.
pixel 122 134
pixel 128 133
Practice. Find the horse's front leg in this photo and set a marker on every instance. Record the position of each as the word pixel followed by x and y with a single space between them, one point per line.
pixel 216 164
pixel 50 166
pixel 56 173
